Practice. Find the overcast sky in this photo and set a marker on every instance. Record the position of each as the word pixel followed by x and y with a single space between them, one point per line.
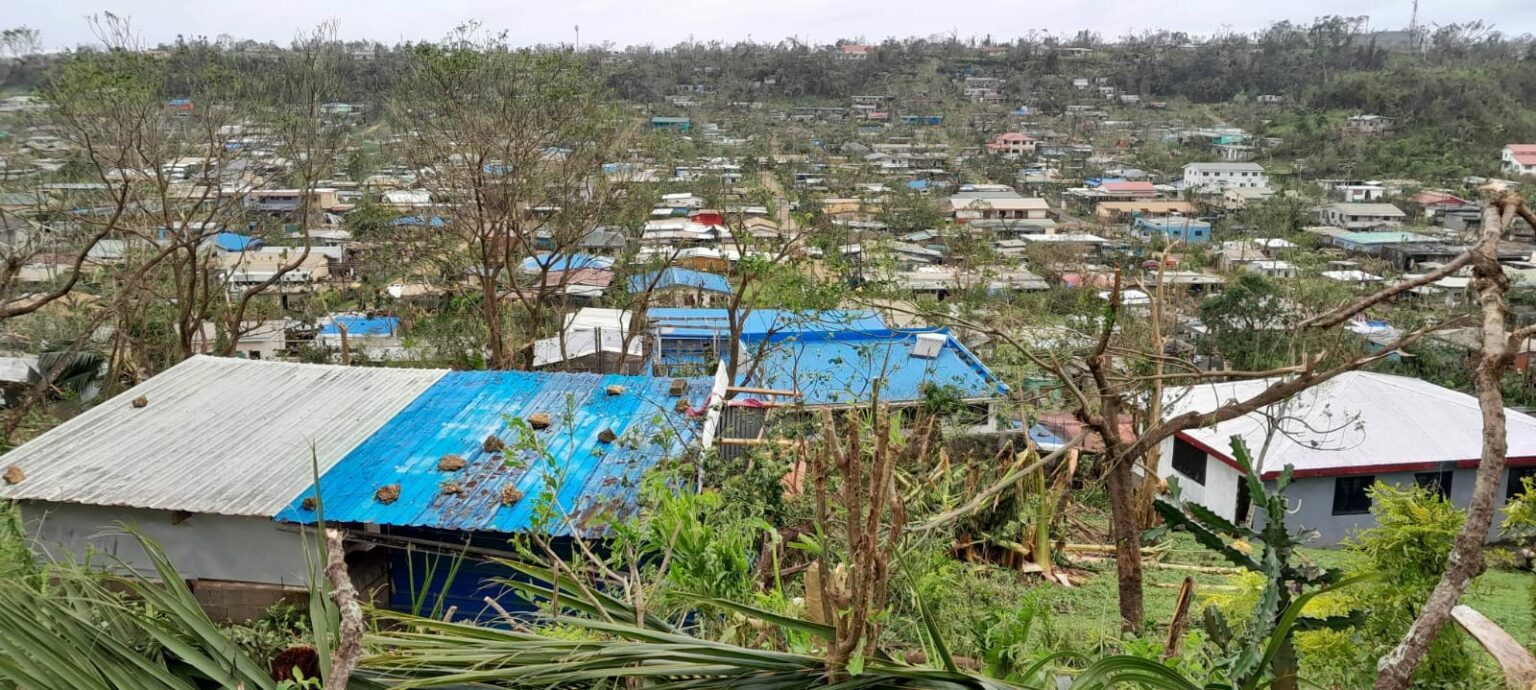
pixel 666 22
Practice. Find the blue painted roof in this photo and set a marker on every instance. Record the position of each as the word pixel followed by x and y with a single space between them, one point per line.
pixel 843 368
pixel 362 325
pixel 564 262
pixel 685 322
pixel 1172 224
pixel 680 277
pixel 235 242
pixel 595 482
pixel 434 221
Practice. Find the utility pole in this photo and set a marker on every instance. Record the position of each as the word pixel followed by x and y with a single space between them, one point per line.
pixel 1413 28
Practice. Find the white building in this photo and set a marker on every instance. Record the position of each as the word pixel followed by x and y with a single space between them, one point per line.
pixel 1340 438
pixel 1361 216
pixel 1519 159
pixel 1214 176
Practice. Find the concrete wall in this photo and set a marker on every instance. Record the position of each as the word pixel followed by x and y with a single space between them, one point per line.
pixel 1219 492
pixel 1311 504
pixel 1310 499
pixel 202 547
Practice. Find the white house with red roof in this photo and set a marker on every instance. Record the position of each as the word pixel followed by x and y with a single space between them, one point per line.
pixel 1340 438
pixel 1519 159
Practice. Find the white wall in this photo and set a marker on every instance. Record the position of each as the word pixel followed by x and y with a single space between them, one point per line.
pixel 213 547
pixel 1219 493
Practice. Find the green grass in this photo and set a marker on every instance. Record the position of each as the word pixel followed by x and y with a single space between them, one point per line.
pixel 1089 614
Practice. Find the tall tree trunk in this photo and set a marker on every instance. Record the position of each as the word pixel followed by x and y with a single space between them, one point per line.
pixel 496 342
pixel 1121 484
pixel 1395 670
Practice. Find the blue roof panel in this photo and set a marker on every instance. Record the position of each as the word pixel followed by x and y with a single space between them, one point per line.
pixel 594 481
pixel 680 277
pixel 562 262
pixel 846 368
pixel 235 242
pixel 688 322
pixel 362 325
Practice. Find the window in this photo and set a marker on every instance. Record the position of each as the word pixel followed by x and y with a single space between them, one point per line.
pixel 1189 461
pixel 1438 483
pixel 1349 495
pixel 1517 477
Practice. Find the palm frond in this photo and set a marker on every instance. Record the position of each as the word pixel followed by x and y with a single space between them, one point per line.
pixel 421 652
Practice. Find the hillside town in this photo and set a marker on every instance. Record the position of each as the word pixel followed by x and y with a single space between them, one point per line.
pixel 1044 362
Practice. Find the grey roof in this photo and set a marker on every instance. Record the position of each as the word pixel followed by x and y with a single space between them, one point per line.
pixel 1368 209
pixel 218 436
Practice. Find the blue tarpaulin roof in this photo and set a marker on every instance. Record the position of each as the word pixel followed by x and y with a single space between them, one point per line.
pixel 434 221
pixel 684 322
pixel 362 325
pixel 235 242
pixel 596 483
pixel 845 368
pixel 564 262
pixel 679 277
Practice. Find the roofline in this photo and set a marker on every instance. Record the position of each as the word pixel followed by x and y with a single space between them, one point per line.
pixel 864 404
pixel 1379 468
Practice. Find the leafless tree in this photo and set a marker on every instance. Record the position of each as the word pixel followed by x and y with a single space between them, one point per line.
pixel 511 144
pixel 1498 347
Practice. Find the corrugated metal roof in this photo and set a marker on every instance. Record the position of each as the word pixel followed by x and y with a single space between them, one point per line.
pixel 690 322
pixel 218 435
pixel 845 368
pixel 1356 420
pixel 680 277
pixel 455 416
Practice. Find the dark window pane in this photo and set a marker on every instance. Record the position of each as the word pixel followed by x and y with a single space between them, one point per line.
pixel 1189 461
pixel 1435 482
pixel 1516 485
pixel 1349 495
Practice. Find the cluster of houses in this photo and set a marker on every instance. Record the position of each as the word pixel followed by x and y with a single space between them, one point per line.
pixel 657 359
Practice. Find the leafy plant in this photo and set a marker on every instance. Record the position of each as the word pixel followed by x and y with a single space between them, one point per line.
pixel 1406 552
pixel 71 628
pixel 1284 575
pixel 422 652
pixel 71 374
